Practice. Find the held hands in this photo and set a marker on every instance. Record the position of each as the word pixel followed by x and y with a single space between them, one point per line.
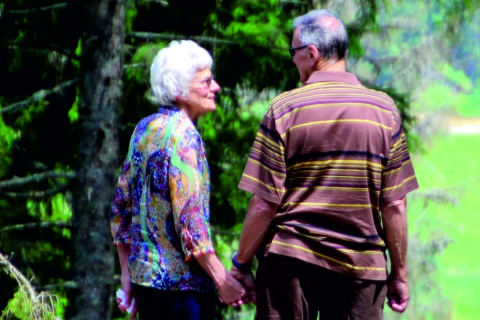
pixel 231 292
pixel 398 294
pixel 247 279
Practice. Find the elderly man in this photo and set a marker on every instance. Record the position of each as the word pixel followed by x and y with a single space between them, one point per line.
pixel 329 171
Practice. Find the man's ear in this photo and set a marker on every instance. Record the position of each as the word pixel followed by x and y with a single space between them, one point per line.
pixel 313 55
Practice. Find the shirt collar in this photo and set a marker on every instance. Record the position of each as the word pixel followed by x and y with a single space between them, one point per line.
pixel 333 76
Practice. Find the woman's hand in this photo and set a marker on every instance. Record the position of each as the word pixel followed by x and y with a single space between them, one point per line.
pixel 127 303
pixel 230 291
pixel 126 299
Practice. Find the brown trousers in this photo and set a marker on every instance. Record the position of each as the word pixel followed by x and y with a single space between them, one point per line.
pixel 290 289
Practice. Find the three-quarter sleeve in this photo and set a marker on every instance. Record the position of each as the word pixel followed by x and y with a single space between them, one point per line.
pixel 189 190
pixel 121 215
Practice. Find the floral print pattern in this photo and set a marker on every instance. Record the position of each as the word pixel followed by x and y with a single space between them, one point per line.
pixel 161 203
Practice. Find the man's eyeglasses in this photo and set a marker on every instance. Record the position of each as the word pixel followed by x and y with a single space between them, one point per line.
pixel 293 50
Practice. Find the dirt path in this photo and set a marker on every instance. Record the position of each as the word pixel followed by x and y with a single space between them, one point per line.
pixel 464 125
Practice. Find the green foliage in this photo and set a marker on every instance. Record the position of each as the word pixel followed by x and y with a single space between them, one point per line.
pixel 228 134
pixel 130 16
pixel 457 78
pixel 468 104
pixel 23 308
pixel 450 14
pixel 449 100
pixel 142 57
pixel 392 43
pixel 73 112
pixel 7 138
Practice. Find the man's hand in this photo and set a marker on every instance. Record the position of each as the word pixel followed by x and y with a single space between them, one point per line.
pixel 398 294
pixel 248 281
pixel 230 291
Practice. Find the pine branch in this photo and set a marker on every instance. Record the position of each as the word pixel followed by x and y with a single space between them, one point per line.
pixel 163 3
pixel 21 279
pixel 171 36
pixel 66 284
pixel 42 305
pixel 37 177
pixel 40 9
pixel 46 48
pixel 32 225
pixel 37 96
pixel 33 194
pixel 136 65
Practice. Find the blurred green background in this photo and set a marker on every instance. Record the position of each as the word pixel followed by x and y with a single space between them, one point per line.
pixel 426 55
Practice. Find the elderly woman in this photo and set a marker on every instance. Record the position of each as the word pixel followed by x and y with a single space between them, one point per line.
pixel 160 212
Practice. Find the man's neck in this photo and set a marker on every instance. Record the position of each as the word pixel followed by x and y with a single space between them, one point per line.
pixel 326 65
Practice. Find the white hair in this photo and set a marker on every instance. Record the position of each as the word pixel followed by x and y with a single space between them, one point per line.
pixel 331 40
pixel 173 68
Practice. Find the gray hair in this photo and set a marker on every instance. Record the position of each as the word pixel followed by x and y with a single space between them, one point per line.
pixel 331 39
pixel 173 68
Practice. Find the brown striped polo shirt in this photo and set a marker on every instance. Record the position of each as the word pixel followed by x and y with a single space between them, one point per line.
pixel 329 153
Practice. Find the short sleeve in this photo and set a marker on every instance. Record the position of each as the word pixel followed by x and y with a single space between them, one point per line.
pixel 265 171
pixel 398 178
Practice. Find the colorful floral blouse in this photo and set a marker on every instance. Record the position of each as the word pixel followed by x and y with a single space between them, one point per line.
pixel 161 204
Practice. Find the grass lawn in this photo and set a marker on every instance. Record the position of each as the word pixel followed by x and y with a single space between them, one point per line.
pixel 452 167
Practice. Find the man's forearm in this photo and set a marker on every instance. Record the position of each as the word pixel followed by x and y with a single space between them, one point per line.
pixel 395 226
pixel 259 216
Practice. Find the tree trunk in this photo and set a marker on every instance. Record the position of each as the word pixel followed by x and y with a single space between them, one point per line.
pixel 99 113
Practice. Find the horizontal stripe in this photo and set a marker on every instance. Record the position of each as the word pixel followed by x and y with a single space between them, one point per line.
pixel 336 154
pixel 315 123
pixel 398 169
pixel 269 144
pixel 346 189
pixel 275 173
pixel 309 106
pixel 264 156
pixel 333 235
pixel 361 252
pixel 337 205
pixel 347 265
pixel 339 163
pixel 260 182
pixel 405 181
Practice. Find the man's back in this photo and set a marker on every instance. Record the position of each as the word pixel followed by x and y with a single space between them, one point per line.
pixel 335 143
pixel 327 158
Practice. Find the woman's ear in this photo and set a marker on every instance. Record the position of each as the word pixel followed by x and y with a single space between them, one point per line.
pixel 179 98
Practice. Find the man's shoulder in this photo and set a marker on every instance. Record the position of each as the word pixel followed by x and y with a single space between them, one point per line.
pixel 381 94
pixel 324 90
pixel 288 97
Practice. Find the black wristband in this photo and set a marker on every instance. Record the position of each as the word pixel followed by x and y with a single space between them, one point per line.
pixel 241 266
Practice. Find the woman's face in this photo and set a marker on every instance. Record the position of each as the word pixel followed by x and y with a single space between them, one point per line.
pixel 201 97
